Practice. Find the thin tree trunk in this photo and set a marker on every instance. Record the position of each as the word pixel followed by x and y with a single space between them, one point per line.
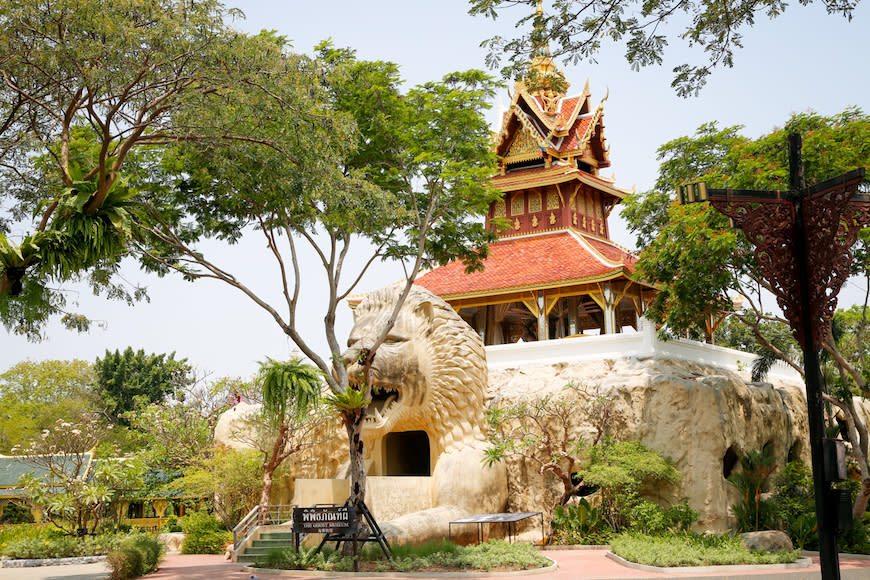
pixel 265 496
pixel 861 500
pixel 353 422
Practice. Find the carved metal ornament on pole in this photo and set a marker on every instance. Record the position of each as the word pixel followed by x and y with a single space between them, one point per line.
pixel 803 242
pixel 833 213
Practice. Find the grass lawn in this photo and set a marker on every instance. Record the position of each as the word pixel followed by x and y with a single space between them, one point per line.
pixel 687 549
pixel 430 557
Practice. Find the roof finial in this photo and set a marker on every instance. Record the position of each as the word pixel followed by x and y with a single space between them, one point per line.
pixel 544 78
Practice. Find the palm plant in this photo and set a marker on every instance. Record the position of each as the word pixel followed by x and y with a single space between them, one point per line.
pixel 291 395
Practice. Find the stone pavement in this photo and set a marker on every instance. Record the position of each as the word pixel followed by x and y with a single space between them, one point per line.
pixel 572 565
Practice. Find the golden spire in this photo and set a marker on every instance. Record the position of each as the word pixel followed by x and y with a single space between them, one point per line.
pixel 545 79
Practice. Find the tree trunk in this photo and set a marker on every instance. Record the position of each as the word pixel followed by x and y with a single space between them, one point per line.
pixel 265 496
pixel 861 501
pixel 353 422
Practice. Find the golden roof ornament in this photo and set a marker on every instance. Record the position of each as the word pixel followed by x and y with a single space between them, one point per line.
pixel 544 79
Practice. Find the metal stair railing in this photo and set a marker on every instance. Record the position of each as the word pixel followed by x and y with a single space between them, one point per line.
pixel 260 516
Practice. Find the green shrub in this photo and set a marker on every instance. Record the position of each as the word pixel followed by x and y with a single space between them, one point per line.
pixel 206 542
pixel 146 544
pixel 579 524
pixel 171 525
pixel 752 512
pixel 204 534
pixel 16 514
pixel 124 564
pixel 10 533
pixel 689 549
pixel 63 547
pixel 681 516
pixel 200 522
pixel 620 469
pixel 137 555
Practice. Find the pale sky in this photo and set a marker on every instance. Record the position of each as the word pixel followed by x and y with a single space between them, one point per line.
pixel 804 60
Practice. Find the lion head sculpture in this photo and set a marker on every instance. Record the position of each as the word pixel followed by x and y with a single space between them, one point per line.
pixel 429 374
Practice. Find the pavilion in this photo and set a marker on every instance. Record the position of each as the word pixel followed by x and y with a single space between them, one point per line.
pixel 554 272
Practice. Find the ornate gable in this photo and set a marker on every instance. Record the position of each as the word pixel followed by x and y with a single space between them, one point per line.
pixel 522 147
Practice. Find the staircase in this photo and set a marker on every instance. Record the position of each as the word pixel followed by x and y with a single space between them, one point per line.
pixel 253 536
pixel 261 546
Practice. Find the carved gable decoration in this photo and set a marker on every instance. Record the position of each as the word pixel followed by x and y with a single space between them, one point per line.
pixel 524 147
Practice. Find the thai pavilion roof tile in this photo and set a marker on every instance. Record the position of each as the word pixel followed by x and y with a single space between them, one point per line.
pixel 559 258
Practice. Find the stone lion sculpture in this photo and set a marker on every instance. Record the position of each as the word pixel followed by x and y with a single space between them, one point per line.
pixel 431 376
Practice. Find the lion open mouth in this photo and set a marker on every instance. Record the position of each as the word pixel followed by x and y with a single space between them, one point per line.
pixel 383 400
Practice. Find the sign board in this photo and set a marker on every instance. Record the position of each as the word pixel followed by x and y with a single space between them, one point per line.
pixel 324 520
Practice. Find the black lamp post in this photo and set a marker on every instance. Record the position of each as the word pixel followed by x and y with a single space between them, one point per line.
pixel 803 239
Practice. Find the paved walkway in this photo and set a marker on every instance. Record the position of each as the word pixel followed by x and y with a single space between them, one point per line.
pixel 572 565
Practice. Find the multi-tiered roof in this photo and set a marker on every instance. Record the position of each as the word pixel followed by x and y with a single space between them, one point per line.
pixel 554 272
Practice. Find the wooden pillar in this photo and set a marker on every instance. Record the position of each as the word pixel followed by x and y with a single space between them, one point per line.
pixel 481 323
pixel 608 308
pixel 572 315
pixel 543 327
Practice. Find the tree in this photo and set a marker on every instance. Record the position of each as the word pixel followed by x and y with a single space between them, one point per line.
pixel 342 159
pixel 576 31
pixel 70 486
pixel 85 86
pixel 35 395
pixel 177 433
pixel 292 419
pixel 233 477
pixel 701 265
pixel 620 469
pixel 542 432
pixel 129 380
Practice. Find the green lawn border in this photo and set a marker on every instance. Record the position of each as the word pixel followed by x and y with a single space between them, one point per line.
pixel 801 562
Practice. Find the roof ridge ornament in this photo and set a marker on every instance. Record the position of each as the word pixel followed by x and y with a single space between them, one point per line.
pixel 544 79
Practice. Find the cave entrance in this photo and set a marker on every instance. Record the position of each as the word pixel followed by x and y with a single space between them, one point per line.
pixel 407 453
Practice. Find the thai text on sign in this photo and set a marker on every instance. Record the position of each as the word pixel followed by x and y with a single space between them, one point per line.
pixel 324 520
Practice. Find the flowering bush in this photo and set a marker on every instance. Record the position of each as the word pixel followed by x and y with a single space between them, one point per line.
pixel 75 489
pixel 58 546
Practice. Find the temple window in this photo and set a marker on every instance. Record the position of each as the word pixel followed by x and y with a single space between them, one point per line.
pixel 518 205
pixel 552 200
pixel 534 202
pixel 500 209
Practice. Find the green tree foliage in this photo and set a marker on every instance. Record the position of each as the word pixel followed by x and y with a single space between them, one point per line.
pixel 234 477
pixel 701 265
pixel 87 83
pixel 753 512
pixel 69 485
pixel 577 31
pixel 34 395
pixel 176 433
pixel 292 414
pixel 337 157
pixel 620 469
pixel 698 261
pixel 131 379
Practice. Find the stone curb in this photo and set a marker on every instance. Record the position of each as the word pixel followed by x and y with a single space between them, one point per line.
pixel 799 563
pixel 33 562
pixel 842 555
pixel 393 574
pixel 573 547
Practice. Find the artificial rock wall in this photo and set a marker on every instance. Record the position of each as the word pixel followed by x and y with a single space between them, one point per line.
pixel 692 413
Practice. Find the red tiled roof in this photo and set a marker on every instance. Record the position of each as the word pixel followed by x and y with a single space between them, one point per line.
pixel 532 261
pixel 578 131
pixel 567 111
